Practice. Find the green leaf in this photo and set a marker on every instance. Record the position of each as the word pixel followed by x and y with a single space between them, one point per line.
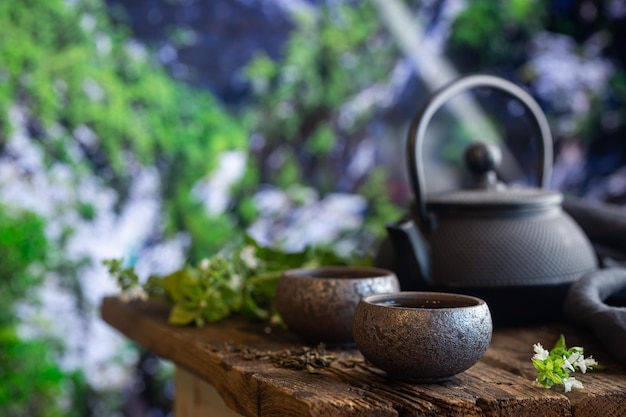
pixel 539 365
pixel 154 286
pixel 554 378
pixel 199 322
pixel 215 311
pixel 182 314
pixel 126 277
pixel 172 284
pixel 191 288
pixel 231 296
pixel 250 309
pixel 560 343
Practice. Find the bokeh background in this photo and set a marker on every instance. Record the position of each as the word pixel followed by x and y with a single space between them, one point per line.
pixel 161 131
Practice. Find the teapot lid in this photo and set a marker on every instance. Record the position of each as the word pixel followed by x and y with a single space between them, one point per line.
pixel 505 199
pixel 486 192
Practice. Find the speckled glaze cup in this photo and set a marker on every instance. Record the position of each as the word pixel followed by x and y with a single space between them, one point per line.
pixel 422 336
pixel 318 304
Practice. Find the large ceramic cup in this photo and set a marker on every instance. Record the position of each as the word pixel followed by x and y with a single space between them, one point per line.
pixel 422 336
pixel 318 304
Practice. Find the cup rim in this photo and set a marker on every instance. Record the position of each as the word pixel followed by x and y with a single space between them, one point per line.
pixel 327 272
pixel 468 301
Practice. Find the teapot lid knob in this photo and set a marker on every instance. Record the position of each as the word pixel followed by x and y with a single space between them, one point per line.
pixel 482 159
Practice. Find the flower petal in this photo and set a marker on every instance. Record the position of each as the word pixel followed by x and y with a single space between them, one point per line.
pixel 570 383
pixel 540 353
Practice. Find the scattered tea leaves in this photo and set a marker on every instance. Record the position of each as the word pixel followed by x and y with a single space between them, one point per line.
pixel 304 358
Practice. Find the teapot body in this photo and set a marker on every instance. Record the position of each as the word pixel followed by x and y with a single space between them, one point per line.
pixel 510 249
pixel 521 264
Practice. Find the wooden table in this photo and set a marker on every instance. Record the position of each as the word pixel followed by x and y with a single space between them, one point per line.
pixel 501 384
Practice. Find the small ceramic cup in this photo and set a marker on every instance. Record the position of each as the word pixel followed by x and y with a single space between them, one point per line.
pixel 422 336
pixel 318 304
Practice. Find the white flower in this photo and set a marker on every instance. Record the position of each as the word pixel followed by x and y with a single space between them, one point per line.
pixel 567 364
pixel 133 293
pixel 580 362
pixel 540 353
pixel 137 293
pixel 204 264
pixel 570 383
pixel 588 362
pixel 235 280
pixel 248 257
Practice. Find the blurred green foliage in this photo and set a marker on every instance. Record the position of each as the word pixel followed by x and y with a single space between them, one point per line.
pixel 488 34
pixel 30 379
pixel 22 244
pixel 301 105
pixel 84 84
pixel 328 59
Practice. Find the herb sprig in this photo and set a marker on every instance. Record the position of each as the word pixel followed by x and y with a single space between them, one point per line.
pixel 554 366
pixel 242 280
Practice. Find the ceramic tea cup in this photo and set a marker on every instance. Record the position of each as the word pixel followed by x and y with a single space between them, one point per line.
pixel 422 336
pixel 318 304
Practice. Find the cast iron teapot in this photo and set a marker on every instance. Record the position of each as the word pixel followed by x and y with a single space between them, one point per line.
pixel 515 247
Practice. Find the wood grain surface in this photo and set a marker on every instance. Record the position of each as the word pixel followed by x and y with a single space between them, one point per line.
pixel 501 384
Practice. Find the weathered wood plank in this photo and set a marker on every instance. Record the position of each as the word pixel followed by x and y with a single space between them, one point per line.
pixel 196 397
pixel 500 385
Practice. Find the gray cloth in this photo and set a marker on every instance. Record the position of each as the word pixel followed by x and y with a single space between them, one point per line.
pixel 604 225
pixel 597 302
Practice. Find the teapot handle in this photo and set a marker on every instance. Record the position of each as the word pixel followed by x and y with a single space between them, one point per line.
pixel 420 123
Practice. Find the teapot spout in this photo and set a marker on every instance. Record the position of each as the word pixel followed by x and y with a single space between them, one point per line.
pixel 411 253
